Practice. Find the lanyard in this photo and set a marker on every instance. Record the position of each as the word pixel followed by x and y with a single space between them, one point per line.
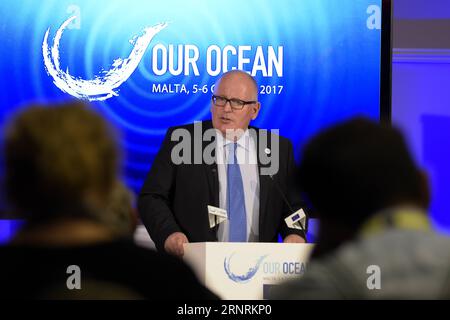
pixel 398 218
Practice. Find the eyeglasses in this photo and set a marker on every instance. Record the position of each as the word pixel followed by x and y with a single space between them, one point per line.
pixel 236 104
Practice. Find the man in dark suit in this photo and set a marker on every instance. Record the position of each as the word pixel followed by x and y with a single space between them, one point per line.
pixel 245 177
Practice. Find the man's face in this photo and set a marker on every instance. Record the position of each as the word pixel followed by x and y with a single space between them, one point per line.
pixel 234 86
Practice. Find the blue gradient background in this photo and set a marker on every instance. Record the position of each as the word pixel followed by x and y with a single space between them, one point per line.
pixel 331 62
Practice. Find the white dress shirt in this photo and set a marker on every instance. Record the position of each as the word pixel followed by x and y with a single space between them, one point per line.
pixel 248 163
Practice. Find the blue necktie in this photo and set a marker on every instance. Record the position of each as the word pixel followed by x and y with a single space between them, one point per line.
pixel 235 198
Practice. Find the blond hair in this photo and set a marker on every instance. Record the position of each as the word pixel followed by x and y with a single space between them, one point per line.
pixel 55 156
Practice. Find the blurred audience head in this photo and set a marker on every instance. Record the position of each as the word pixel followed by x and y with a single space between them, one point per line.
pixel 355 169
pixel 61 162
pixel 121 217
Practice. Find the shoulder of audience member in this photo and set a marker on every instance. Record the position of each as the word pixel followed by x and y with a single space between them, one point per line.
pixel 317 283
pixel 343 274
pixel 172 271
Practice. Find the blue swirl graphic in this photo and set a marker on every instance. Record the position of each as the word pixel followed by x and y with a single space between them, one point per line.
pixel 244 278
pixel 104 85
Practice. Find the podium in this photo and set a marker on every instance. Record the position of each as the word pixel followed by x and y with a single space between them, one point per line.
pixel 239 271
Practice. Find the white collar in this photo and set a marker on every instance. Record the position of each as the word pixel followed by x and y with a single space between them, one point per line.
pixel 243 141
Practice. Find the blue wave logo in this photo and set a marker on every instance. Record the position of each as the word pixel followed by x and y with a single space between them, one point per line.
pixel 244 278
pixel 105 84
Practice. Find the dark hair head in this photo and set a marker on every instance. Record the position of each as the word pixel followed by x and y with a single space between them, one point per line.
pixel 56 156
pixel 354 169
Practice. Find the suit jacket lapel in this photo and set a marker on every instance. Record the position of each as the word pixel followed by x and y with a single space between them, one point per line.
pixel 264 182
pixel 213 183
pixel 212 177
pixel 211 169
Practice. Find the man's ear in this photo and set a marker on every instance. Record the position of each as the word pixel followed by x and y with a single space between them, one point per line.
pixel 256 108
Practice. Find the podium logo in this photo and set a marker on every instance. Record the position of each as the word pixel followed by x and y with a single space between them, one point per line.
pixel 104 85
pixel 245 277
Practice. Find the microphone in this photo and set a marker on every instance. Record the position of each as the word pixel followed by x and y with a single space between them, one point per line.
pixel 283 196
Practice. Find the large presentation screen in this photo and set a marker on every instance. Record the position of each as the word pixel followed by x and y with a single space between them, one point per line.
pixel 149 65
